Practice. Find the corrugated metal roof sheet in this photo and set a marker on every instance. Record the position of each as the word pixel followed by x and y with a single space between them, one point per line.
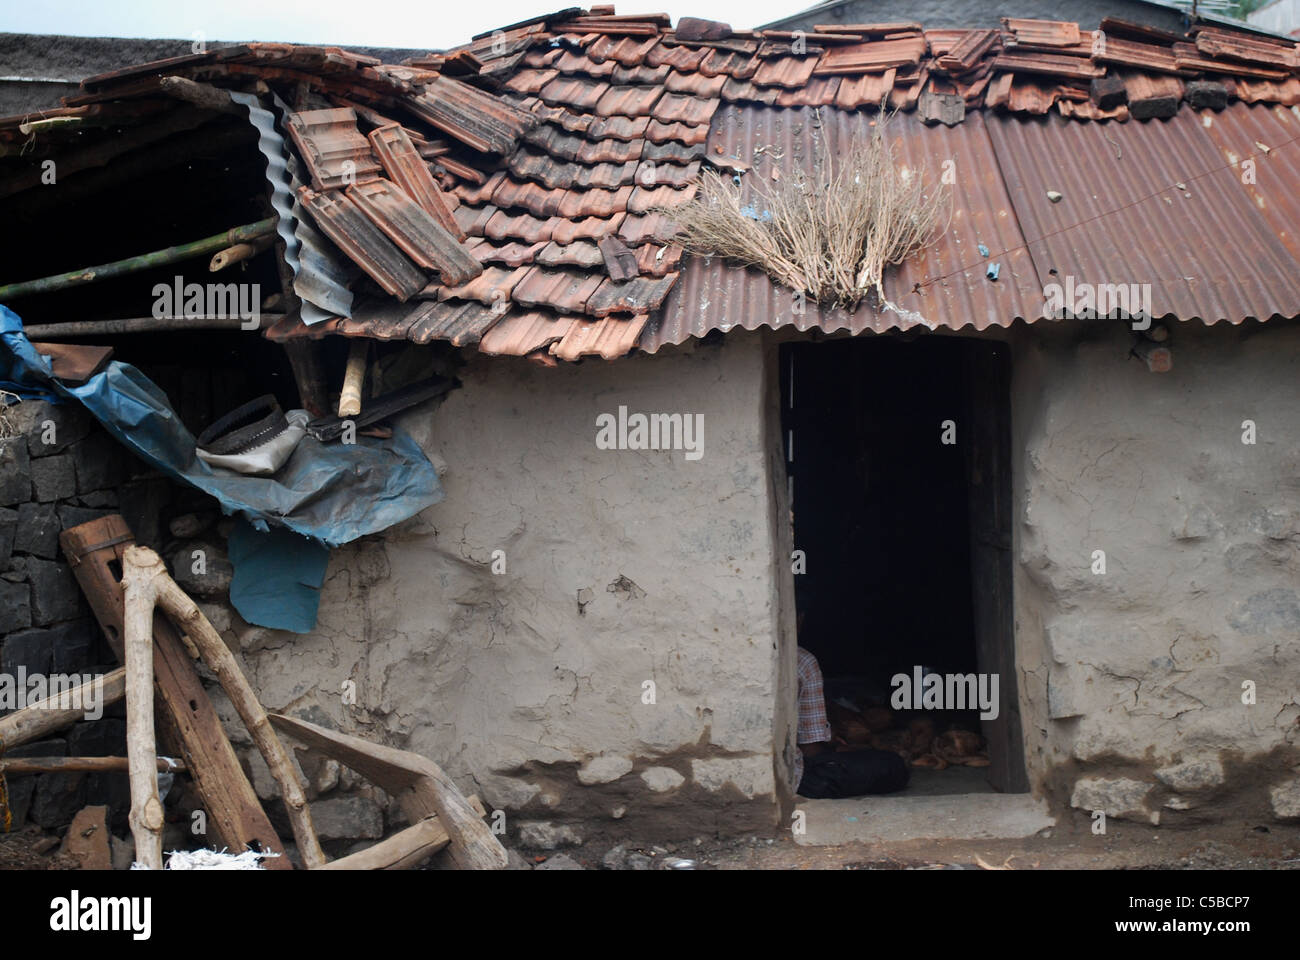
pixel 955 293
pixel 319 278
pixel 1215 250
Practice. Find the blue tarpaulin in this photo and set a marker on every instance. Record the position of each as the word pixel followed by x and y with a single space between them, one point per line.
pixel 332 493
pixel 278 576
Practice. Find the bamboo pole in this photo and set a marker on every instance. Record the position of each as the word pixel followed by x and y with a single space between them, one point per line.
pixel 25 765
pixel 189 619
pixel 145 261
pixel 353 377
pixel 141 570
pixel 109 328
pixel 53 713
pixel 239 252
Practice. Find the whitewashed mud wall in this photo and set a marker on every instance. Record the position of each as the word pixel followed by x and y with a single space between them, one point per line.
pixel 620 568
pixel 1132 680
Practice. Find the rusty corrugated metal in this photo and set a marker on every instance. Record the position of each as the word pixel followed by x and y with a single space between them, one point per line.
pixel 1214 250
pixel 954 291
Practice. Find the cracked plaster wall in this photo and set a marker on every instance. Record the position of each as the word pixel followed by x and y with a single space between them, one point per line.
pixel 1141 668
pixel 621 567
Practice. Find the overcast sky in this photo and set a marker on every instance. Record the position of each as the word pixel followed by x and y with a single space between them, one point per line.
pixel 369 23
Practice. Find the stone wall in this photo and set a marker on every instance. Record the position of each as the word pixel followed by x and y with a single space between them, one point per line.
pixel 1131 680
pixel 621 568
pixel 60 469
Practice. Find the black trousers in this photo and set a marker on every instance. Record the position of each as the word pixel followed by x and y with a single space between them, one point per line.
pixel 852 773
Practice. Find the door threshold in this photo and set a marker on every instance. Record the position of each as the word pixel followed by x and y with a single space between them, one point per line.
pixel 962 816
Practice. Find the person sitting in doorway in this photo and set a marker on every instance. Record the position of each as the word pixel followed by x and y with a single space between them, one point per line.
pixel 820 769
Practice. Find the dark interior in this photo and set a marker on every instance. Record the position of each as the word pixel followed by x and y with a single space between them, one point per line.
pixel 881 511
pixel 188 186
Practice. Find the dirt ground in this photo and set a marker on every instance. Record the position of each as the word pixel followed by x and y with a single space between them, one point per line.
pixel 1070 846
pixel 32 850
pixel 1125 846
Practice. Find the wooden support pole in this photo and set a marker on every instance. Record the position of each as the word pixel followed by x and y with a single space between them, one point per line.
pixel 145 261
pixel 201 95
pixel 193 624
pixel 235 817
pixel 110 328
pixel 141 568
pixel 305 360
pixel 28 765
pixel 353 378
pixel 419 784
pixel 36 720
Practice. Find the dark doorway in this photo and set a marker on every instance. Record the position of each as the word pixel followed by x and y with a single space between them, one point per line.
pixel 898 458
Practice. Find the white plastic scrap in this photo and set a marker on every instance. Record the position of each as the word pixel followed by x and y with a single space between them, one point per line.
pixel 215 860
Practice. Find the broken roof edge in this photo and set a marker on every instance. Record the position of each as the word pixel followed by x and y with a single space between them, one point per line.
pixel 621 65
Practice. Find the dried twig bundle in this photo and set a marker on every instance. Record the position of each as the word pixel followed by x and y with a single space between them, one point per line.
pixel 831 234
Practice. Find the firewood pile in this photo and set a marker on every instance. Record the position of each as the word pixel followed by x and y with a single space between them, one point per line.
pixel 157 632
pixel 920 743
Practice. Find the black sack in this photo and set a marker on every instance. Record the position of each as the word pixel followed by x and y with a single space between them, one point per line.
pixel 854 773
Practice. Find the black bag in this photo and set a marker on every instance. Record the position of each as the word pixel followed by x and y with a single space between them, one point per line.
pixel 853 773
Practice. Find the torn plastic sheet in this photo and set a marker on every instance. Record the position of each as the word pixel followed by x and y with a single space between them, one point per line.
pixel 278 576
pixel 332 493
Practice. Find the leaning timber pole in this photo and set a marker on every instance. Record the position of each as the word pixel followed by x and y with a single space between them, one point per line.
pixel 145 261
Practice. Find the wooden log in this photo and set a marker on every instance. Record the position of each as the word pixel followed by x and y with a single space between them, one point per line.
pixel 28 765
pixel 235 817
pixel 404 850
pixel 141 568
pixel 305 361
pixel 353 377
pixel 193 624
pixel 145 261
pixel 109 328
pixel 419 785
pixel 37 720
pixel 201 95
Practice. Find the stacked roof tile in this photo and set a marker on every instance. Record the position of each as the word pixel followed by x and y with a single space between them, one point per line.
pixel 517 192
